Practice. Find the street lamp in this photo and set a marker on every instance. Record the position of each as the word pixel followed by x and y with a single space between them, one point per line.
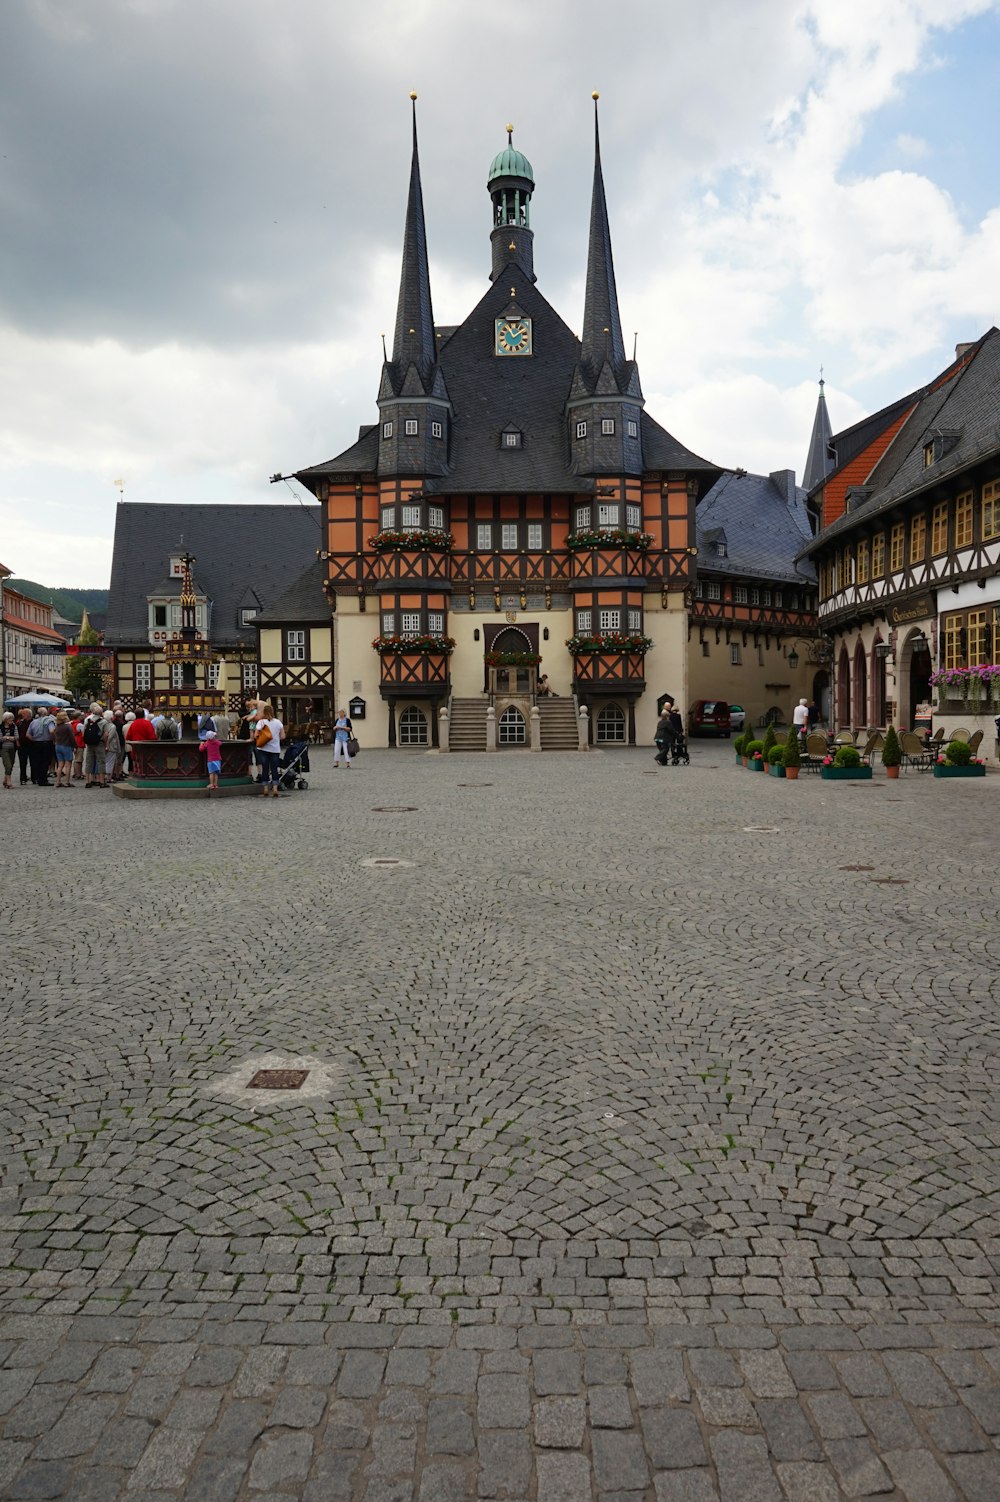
pixel 793 659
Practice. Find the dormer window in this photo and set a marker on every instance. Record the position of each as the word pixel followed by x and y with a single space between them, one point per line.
pixel 939 444
pixel 719 547
pixel 511 438
pixel 159 615
pixel 248 614
pixel 176 568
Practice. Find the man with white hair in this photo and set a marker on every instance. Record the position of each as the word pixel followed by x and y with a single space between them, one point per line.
pixel 800 717
pixel 93 747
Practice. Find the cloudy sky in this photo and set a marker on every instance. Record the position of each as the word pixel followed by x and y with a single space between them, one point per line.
pixel 202 205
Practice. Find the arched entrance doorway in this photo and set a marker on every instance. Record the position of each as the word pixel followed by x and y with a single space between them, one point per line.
pixel 508 651
pixel 512 729
pixel 914 676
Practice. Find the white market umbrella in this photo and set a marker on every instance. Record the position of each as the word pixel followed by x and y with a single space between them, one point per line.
pixel 36 701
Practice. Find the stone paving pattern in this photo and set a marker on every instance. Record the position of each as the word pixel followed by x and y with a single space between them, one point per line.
pixel 651 1156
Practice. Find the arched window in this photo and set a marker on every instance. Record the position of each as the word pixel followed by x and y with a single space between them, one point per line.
pixel 512 729
pixel 412 727
pixel 860 686
pixel 843 690
pixel 610 724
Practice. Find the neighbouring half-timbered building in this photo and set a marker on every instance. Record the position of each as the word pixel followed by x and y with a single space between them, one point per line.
pixel 513 512
pixel 295 650
pixel 909 554
pixel 245 559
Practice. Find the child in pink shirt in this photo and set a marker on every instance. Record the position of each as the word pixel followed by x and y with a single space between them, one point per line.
pixel 212 748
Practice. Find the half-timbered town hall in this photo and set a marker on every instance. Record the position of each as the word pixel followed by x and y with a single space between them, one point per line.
pixel 514 512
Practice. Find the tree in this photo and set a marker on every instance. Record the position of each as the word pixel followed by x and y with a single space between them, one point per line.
pixel 82 675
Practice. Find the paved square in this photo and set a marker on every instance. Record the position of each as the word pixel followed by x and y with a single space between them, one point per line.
pixel 647 1150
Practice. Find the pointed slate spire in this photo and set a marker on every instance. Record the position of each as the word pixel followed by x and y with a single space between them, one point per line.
pixel 818 460
pixel 413 342
pixel 602 326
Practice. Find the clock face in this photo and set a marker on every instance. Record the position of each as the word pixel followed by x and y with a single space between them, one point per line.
pixel 513 336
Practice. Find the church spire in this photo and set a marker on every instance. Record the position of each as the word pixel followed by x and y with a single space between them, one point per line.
pixel 413 342
pixel 818 460
pixel 602 326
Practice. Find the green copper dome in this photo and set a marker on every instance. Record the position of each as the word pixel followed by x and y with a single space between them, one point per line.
pixel 510 163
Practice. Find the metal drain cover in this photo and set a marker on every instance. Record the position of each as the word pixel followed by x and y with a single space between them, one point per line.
pixel 278 1079
pixel 761 829
pixel 475 784
pixel 395 808
pixel 385 862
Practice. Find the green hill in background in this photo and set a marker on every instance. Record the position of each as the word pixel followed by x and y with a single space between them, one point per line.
pixel 68 602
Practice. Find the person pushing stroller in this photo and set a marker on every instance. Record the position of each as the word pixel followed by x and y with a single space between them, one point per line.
pixel 669 737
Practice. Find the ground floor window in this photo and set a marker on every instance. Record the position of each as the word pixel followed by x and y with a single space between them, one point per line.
pixel 412 727
pixel 513 731
pixel 143 677
pixel 610 724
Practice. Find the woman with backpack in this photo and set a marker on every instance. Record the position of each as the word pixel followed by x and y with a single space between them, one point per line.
pixel 93 748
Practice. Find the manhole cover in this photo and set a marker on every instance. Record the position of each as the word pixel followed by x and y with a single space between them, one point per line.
pixel 857 868
pixel 475 784
pixel 383 861
pixel 395 808
pixel 760 829
pixel 278 1079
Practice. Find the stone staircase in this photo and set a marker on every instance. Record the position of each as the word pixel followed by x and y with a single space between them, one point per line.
pixel 467 725
pixel 557 720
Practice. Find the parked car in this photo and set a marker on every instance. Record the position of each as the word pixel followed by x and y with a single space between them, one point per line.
pixel 737 716
pixel 709 717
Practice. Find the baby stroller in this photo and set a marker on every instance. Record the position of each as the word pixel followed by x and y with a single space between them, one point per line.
pixel 671 747
pixel 293 764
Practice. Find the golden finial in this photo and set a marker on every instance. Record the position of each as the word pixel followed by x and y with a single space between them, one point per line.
pixel 412 94
pixel 510 134
pixel 595 95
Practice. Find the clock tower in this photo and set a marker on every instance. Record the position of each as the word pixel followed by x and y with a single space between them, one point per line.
pixel 510 186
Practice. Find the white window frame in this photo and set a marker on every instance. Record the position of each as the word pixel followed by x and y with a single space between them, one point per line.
pixel 713 590
pixel 435 622
pixel 607 427
pixel 437 431
pixel 584 619
pixel 295 645
pixel 633 428
pixel 388 623
pixel 248 614
pixel 535 535
pixel 741 595
pixel 610 618
pixel 508 537
pixel 435 518
pixel 583 518
pixel 411 427
pixel 409 623
pixel 633 517
pixel 143 677
pixel 608 516
pixel 388 518
pixel 634 619
pixel 484 536
pixel 212 675
pixel 735 654
pixel 251 676
pixel 410 517
pixel 176 675
pixel 512 440
pixel 581 430
pixel 387 430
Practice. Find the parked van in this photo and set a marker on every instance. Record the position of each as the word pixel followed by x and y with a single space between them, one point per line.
pixel 710 717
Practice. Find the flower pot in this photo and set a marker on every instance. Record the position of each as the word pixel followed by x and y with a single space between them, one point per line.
pixel 892 771
pixel 745 760
pixel 775 769
pixel 846 774
pixel 791 774
pixel 946 771
pixel 757 765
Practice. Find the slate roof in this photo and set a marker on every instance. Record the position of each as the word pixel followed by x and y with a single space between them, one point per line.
pixel 600 307
pixel 244 554
pixel 489 394
pixel 765 522
pixel 303 600
pixel 819 460
pixel 966 403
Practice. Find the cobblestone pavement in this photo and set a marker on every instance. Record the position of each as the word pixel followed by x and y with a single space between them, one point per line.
pixel 648 1150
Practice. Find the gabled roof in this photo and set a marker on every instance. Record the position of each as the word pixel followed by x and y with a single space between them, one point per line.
pixel 261 547
pixel 964 402
pixel 303 600
pixel 360 458
pixel 764 523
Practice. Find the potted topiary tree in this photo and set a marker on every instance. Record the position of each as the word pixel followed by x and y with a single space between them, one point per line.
pixel 738 748
pixel 769 740
pixel 776 761
pixel 791 755
pixel 957 761
pixel 891 753
pixel 755 755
